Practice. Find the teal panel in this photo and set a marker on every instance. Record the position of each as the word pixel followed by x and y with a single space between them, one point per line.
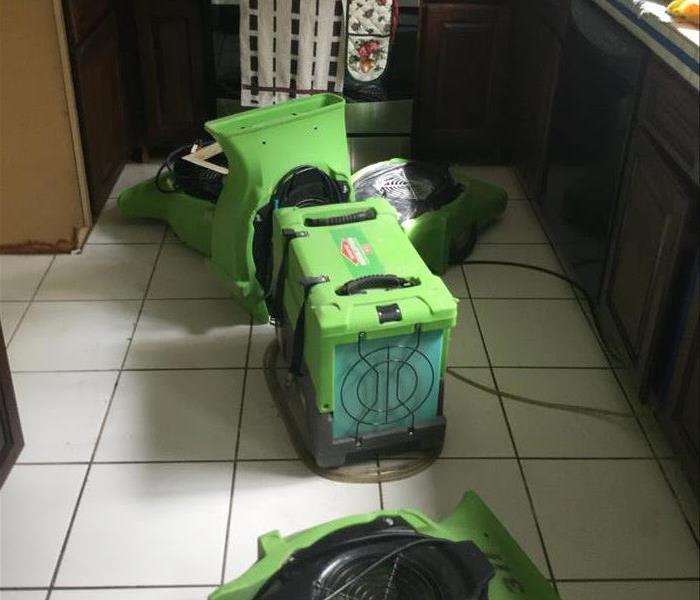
pixel 386 382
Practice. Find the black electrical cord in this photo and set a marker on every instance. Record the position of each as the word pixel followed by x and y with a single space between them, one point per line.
pixel 168 164
pixel 284 187
pixel 575 408
pixel 569 280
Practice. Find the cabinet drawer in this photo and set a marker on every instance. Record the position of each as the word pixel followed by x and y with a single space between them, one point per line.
pixel 83 17
pixel 669 112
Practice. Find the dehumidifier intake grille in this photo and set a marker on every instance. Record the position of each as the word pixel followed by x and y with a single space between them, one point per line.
pixel 388 383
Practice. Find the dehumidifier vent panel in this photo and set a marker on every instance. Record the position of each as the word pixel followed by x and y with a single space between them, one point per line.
pixel 386 383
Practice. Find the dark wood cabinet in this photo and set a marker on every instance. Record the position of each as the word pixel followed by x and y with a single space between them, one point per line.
pixel 100 94
pixel 174 77
pixel 669 112
pixel 680 413
pixel 99 87
pixel 652 210
pixel 457 108
pixel 84 16
pixel 11 441
pixel 535 56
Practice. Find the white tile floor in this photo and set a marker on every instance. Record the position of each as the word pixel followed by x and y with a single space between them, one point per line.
pixel 154 456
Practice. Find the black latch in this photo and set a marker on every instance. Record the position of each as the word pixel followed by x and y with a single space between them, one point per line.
pixel 388 313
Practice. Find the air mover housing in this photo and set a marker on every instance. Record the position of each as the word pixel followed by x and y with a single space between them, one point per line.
pixel 442 210
pixel 365 325
pixel 261 147
pixel 394 555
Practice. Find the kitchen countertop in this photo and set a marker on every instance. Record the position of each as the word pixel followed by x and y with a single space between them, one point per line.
pixel 674 41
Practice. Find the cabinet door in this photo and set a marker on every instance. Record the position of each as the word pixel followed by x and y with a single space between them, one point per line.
pixel 10 432
pixel 457 109
pixel 689 412
pixel 680 411
pixel 651 214
pixel 536 54
pixel 171 48
pixel 101 105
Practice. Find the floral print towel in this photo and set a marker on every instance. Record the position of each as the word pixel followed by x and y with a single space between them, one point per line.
pixel 370 28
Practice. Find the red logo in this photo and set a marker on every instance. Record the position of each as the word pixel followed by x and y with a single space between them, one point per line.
pixel 348 251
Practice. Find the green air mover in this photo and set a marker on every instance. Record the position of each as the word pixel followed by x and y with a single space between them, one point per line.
pixel 394 555
pixel 365 326
pixel 261 147
pixel 442 210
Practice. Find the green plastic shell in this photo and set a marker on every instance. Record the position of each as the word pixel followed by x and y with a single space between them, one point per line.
pixel 333 320
pixel 516 578
pixel 261 146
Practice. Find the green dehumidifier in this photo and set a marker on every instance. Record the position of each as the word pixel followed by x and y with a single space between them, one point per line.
pixel 365 327
pixel 394 555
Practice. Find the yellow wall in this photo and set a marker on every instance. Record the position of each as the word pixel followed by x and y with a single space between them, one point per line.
pixel 41 206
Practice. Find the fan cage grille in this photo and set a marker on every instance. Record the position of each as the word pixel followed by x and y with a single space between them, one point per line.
pixel 400 578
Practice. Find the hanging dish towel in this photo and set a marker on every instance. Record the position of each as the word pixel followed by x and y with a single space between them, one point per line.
pixel 291 48
pixel 371 26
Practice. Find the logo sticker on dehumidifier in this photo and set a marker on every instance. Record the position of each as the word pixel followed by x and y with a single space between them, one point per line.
pixel 355 252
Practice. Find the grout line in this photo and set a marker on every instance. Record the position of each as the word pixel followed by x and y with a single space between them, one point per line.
pixel 512 440
pixel 629 580
pixel 186 461
pixel 379 485
pixel 157 586
pixel 74 514
pixel 598 335
pixel 29 303
pixel 551 367
pixel 244 387
pixel 149 298
pixel 133 369
pixel 204 585
pixel 121 244
pixel 599 338
pixel 197 298
pixel 657 458
pixel 547 367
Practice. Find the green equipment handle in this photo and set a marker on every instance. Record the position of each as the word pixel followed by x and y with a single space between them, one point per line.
pixel 368 282
pixel 356 217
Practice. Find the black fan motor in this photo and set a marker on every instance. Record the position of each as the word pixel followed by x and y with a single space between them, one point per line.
pixel 382 560
pixel 189 178
pixel 412 187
